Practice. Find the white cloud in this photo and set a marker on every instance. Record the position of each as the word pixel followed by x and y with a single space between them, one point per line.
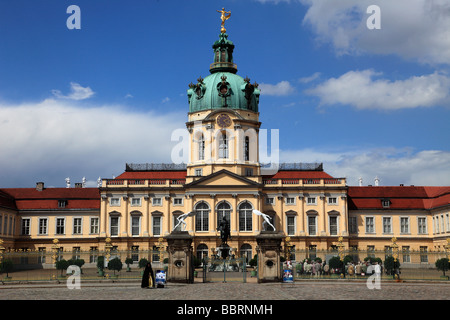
pixel 412 29
pixel 309 79
pixel 282 88
pixel 360 90
pixel 51 140
pixel 165 100
pixel 77 92
pixel 392 166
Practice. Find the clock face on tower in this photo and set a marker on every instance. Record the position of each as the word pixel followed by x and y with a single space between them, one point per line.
pixel 223 120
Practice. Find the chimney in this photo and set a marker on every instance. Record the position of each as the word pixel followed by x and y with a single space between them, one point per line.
pixel 78 185
pixel 39 186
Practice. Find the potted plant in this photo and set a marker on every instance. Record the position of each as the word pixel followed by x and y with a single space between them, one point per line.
pixel 128 261
pixel 142 264
pixel 101 266
pixel 62 265
pixel 7 267
pixel 253 263
pixel 443 265
pixel 115 265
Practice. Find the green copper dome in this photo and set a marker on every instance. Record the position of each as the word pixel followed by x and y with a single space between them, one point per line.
pixel 223 88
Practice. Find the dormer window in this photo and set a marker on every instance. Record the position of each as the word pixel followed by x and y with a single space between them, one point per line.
pixel 386 203
pixel 62 203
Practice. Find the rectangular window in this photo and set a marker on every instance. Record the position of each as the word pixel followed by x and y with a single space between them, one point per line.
pixel 114 202
pixel 156 201
pixel 424 254
pixel 93 254
pixel 370 225
pixel 291 225
pixel 404 224
pixel 332 200
pixel 135 225
pixel 405 254
pixel 386 203
pixel 135 253
pixel 43 223
pixel 114 226
pixel 352 224
pixel 94 225
pixel 371 251
pixel 312 225
pixel 198 172
pixel 442 223
pixel 62 203
pixel 5 225
pixel 290 200
pixel 448 222
pixel 1 221
pixel 156 226
pixel 26 226
pixel 248 172
pixel 136 202
pixel 333 225
pixel 77 226
pixel 60 225
pixel 41 255
pixel 270 200
pixel 387 227
pixel 422 225
pixel 177 201
pixel 311 200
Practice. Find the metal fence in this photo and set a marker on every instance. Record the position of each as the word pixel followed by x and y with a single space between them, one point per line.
pixel 40 265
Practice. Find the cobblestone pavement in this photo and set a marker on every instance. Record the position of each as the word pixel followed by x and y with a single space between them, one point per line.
pixel 230 291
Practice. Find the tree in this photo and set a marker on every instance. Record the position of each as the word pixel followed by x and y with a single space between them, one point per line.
pixel 7 266
pixel 390 265
pixel 128 261
pixel 115 264
pixel 335 263
pixel 61 265
pixel 443 265
pixel 142 263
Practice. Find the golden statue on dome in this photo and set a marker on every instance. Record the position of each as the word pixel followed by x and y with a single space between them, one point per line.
pixel 225 16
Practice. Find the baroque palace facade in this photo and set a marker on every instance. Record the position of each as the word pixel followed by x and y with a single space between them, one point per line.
pixel 224 177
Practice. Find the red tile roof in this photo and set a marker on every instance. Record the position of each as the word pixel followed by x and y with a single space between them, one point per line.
pixel 400 197
pixel 77 198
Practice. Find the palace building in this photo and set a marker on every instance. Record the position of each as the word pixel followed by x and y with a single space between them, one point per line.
pixel 224 177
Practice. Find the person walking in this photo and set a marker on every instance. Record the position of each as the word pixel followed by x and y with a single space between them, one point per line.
pixel 148 279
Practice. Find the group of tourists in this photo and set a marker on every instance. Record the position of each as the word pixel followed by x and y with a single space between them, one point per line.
pixel 317 268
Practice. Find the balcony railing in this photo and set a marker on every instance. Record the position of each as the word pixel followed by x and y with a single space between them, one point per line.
pixel 301 182
pixel 144 182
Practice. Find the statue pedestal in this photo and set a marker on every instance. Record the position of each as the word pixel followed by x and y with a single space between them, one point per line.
pixel 180 267
pixel 269 249
pixel 223 250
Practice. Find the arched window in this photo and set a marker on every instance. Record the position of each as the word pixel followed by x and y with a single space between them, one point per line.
pixel 223 209
pixel 201 148
pixel 202 216
pixel 223 146
pixel 245 216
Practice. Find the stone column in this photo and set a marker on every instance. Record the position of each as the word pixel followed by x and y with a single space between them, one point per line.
pixel 179 247
pixel 269 250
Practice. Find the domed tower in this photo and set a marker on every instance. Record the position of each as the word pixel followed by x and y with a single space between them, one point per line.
pixel 223 118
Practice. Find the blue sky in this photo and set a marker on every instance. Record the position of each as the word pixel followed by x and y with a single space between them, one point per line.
pixel 366 103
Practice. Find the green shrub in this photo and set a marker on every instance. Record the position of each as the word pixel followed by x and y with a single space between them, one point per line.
pixel 62 265
pixel 443 265
pixel 142 263
pixel 115 265
pixel 101 262
pixel 6 266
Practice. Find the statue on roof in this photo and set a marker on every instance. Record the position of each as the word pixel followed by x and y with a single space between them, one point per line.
pixel 225 16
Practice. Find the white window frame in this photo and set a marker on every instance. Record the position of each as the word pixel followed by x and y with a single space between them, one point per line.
pixel 337 224
pixel 448 221
pixel 271 202
pixel 113 199
pixel 422 229
pixel 407 225
pixel 336 203
pixel 314 200
pixel 26 228
pixel 160 225
pixel 315 224
pixel 118 225
pixel 366 218
pixel 137 200
pixel 177 204
pixel 43 227
pixel 390 224
pixel 155 200
pixel 91 225
pixel 293 198
pixel 353 224
pixel 293 225
pixel 80 226
pixel 133 217
pixel 56 225
pixel 198 172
